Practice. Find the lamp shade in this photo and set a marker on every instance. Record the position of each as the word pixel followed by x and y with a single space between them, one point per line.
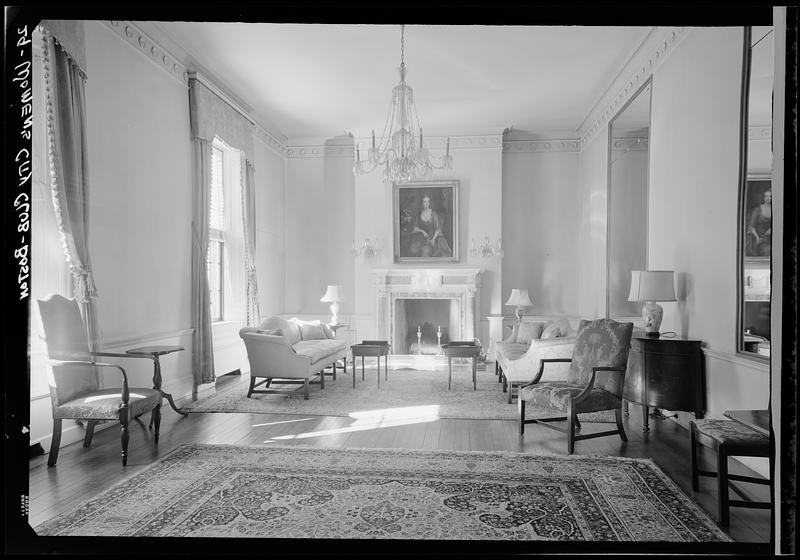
pixel 333 293
pixel 652 285
pixel 519 297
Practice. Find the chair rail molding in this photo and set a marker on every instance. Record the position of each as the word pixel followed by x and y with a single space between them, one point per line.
pixel 653 50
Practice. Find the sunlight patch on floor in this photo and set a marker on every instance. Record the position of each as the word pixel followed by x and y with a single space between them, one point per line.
pixel 373 419
pixel 281 422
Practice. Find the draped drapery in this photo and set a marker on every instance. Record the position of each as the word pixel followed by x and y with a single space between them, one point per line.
pixel 253 315
pixel 202 345
pixel 212 117
pixel 65 106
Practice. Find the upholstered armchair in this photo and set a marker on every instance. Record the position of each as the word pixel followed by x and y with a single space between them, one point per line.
pixel 74 379
pixel 594 382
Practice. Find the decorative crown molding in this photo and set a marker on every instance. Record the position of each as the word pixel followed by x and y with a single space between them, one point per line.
pixel 629 144
pixel 319 151
pixel 661 45
pixel 137 38
pixel 569 145
pixel 270 140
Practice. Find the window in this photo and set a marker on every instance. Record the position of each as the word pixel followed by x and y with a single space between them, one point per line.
pixel 225 257
pixel 216 243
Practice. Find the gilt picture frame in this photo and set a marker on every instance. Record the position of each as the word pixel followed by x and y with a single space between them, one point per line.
pixel 426 221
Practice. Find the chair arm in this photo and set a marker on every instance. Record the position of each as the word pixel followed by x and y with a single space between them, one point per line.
pixel 122 355
pixel 542 362
pixel 125 388
pixel 583 395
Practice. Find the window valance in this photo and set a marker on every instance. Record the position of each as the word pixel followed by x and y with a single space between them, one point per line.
pixel 71 36
pixel 212 116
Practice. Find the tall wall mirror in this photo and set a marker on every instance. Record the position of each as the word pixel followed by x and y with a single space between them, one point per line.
pixel 628 157
pixel 755 195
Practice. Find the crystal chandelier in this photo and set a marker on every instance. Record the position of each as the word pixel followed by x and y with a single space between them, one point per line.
pixel 403 157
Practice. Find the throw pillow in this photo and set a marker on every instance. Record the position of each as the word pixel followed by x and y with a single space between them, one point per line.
pixel 311 330
pixel 563 326
pixel 328 331
pixel 551 331
pixel 528 331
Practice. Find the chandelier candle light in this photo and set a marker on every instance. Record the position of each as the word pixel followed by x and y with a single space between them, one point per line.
pixel 519 297
pixel 651 286
pixel 333 295
pixel 397 152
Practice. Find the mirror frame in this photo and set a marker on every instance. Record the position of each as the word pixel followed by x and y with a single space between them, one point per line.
pixel 646 237
pixel 741 203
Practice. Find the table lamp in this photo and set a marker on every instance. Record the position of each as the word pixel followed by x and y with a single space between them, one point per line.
pixel 651 286
pixel 520 298
pixel 333 295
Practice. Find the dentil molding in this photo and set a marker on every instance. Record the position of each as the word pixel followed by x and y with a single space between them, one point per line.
pixel 536 146
pixel 137 38
pixel 661 46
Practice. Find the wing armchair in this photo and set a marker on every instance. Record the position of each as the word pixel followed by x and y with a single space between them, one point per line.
pixel 594 381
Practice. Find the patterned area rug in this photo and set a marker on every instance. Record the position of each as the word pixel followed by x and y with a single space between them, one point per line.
pixel 423 389
pixel 322 493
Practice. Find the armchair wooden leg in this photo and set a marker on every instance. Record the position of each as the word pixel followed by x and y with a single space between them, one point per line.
pixel 521 407
pixel 620 427
pixel 695 475
pixel 722 485
pixel 571 418
pixel 55 442
pixel 334 370
pixel 252 385
pixel 322 379
pixel 87 439
pixel 155 418
pixel 124 419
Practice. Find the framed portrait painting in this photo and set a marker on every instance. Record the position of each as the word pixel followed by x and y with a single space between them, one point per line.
pixel 757 225
pixel 426 221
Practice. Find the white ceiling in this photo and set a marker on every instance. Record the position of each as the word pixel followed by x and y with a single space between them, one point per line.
pixel 323 80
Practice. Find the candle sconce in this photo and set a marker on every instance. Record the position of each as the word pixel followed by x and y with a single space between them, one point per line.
pixel 368 249
pixel 487 249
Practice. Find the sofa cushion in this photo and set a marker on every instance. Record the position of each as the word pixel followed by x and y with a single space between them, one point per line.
pixel 319 349
pixel 551 331
pixel 311 330
pixel 289 329
pixel 529 330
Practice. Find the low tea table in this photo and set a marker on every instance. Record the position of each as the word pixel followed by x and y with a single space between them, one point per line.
pixel 462 349
pixel 375 348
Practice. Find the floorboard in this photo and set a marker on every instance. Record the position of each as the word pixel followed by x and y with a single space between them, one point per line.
pixel 84 472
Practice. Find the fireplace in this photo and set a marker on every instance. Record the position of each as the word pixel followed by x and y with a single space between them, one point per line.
pixel 441 303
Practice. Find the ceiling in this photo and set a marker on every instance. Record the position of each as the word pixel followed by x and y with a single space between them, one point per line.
pixel 324 80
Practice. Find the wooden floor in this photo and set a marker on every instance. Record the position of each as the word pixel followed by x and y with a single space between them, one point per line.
pixel 84 472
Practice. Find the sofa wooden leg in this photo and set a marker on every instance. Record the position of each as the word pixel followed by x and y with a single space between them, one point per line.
pixel 252 384
pixel 305 388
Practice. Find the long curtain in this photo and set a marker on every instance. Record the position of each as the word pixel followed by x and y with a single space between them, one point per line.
pixel 202 344
pixel 69 169
pixel 253 315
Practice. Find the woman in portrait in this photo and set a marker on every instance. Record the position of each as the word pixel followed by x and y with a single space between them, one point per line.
pixel 429 241
pixel 759 227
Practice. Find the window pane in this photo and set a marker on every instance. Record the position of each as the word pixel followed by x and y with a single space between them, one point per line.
pixel 216 209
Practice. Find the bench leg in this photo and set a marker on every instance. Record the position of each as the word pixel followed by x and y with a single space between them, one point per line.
pixel 722 485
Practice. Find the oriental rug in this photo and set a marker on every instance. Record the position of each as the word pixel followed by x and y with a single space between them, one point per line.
pixel 203 490
pixel 424 389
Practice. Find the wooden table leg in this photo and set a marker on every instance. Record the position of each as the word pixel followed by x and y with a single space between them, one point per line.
pixel 157 385
pixel 379 372
pixel 449 371
pixel 474 374
pixel 362 368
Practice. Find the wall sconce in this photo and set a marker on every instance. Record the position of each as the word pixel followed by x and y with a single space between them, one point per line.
pixel 368 250
pixel 487 249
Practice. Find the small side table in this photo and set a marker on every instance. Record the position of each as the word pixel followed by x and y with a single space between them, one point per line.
pixel 375 348
pixel 153 352
pixel 462 349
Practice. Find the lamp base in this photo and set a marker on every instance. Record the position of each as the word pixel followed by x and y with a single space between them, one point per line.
pixel 652 313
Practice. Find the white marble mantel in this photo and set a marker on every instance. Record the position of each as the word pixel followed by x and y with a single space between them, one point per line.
pixel 457 283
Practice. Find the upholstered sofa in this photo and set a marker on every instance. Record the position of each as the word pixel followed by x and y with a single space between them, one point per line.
pixel 518 356
pixel 290 351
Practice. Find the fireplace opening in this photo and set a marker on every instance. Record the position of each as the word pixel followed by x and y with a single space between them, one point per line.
pixel 422 325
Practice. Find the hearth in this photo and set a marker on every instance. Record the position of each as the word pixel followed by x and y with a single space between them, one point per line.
pixel 431 300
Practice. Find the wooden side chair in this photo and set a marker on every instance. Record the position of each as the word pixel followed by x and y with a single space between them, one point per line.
pixel 74 379
pixel 594 381
pixel 728 438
